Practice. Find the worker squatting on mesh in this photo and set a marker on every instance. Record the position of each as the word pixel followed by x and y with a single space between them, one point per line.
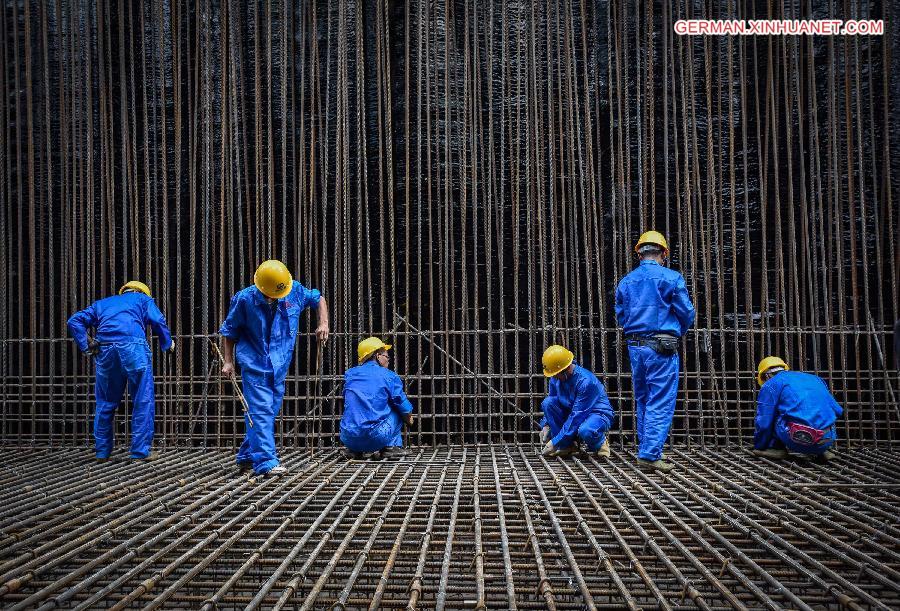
pixel 375 406
pixel 576 408
pixel 122 355
pixel 795 411
pixel 262 322
pixel 655 311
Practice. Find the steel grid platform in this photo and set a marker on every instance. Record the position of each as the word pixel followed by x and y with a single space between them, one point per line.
pixel 460 527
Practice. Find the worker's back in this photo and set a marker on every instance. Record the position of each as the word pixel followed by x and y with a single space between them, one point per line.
pixel 653 299
pixel 368 392
pixel 802 397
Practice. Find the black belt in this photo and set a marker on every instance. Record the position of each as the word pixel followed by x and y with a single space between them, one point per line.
pixel 651 337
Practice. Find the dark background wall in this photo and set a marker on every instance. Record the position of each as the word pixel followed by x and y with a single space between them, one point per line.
pixel 466 179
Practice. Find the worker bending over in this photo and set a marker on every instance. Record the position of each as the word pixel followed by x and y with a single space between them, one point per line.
pixel 795 411
pixel 375 406
pixel 654 310
pixel 262 322
pixel 576 407
pixel 122 355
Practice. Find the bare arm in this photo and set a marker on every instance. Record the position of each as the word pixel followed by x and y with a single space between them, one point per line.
pixel 323 330
pixel 228 355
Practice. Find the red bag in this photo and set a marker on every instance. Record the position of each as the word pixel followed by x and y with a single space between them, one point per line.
pixel 805 435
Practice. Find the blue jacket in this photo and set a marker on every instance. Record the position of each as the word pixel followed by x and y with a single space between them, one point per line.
pixel 583 394
pixel 121 319
pixel 247 323
pixel 793 396
pixel 653 299
pixel 370 393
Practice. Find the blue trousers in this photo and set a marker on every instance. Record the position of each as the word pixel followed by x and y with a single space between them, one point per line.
pixel 591 431
pixel 782 440
pixel 118 365
pixel 388 432
pixel 655 381
pixel 264 395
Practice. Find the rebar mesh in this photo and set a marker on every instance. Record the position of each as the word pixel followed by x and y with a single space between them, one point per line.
pixel 458 527
pixel 466 179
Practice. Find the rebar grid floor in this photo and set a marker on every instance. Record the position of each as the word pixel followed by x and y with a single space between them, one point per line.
pixel 459 527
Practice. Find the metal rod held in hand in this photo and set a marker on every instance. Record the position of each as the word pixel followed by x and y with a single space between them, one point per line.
pixel 237 388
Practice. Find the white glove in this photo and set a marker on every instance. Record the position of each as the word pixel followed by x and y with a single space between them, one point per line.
pixel 549 449
pixel 545 433
pixel 172 347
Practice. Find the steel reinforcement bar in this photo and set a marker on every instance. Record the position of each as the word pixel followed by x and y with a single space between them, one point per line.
pixel 459 527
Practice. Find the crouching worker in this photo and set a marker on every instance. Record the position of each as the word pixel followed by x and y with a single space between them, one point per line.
pixel 375 406
pixel 576 409
pixel 261 329
pixel 122 355
pixel 795 411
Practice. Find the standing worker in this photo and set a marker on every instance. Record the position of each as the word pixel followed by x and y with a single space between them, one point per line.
pixel 795 411
pixel 375 406
pixel 654 310
pixel 576 408
pixel 122 355
pixel 262 321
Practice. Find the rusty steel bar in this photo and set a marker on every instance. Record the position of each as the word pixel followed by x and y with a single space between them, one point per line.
pixel 375 533
pixel 348 538
pixel 289 558
pixel 602 556
pixel 561 538
pixel 363 554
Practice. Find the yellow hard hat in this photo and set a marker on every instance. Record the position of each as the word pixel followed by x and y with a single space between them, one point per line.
pixel 273 279
pixel 136 286
pixel 555 359
pixel 766 364
pixel 652 237
pixel 368 346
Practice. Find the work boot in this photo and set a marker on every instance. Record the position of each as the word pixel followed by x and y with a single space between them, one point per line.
pixel 824 457
pixel 101 458
pixel 148 458
pixel 655 465
pixel 773 453
pixel 244 466
pixel 603 452
pixel 393 452
pixel 276 471
pixel 351 455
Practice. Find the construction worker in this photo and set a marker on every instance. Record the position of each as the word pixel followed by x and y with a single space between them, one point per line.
pixel 375 406
pixel 654 310
pixel 122 355
pixel 576 408
pixel 262 322
pixel 795 411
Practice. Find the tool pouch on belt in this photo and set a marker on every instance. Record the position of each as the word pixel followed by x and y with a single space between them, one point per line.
pixel 804 435
pixel 665 345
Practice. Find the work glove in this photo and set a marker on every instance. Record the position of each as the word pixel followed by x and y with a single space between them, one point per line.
pixel 549 449
pixel 93 348
pixel 408 419
pixel 171 349
pixel 545 433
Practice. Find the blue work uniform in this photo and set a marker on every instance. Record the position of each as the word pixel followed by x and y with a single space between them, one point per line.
pixel 374 406
pixel 577 408
pixel 652 300
pixel 265 335
pixel 791 398
pixel 120 325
